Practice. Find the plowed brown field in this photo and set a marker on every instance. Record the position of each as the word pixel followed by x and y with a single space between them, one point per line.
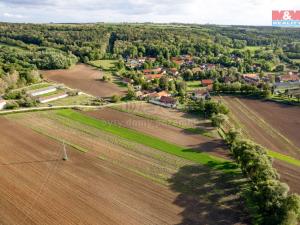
pixel 86 79
pixel 275 126
pixel 166 132
pixel 37 187
pixel 109 184
pixel 289 173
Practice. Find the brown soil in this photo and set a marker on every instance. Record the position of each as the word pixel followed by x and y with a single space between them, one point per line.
pixel 165 114
pixel 37 187
pixel 269 124
pixel 86 79
pixel 169 133
pixel 166 132
pixel 284 118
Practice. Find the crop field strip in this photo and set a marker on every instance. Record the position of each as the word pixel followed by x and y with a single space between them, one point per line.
pixel 197 130
pixel 150 141
pixel 106 146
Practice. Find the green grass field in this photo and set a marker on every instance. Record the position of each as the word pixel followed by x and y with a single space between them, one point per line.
pixel 192 85
pixel 153 142
pixel 107 65
pixel 37 86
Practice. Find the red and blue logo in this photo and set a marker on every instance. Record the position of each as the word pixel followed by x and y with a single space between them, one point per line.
pixel 286 18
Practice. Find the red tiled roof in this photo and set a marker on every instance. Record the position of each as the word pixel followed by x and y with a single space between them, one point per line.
pixel 207 82
pixel 153 76
pixel 147 71
pixel 292 77
pixel 163 94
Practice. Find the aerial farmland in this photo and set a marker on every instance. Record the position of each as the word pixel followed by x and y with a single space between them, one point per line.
pixel 149 124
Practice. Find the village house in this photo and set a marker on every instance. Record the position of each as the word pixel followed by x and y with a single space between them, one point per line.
pixel 154 95
pixel 132 63
pixel 179 61
pixel 207 66
pixel 2 104
pixel 200 94
pixel 163 98
pixel 290 77
pixel 207 82
pixel 153 71
pixel 173 71
pixel 42 91
pixel 168 101
pixel 251 78
pixel 196 70
pixel 150 77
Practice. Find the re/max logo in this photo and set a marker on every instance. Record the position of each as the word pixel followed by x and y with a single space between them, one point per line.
pixel 286 18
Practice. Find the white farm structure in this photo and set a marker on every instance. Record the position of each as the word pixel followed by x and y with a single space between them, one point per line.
pixel 53 98
pixel 2 104
pixel 43 91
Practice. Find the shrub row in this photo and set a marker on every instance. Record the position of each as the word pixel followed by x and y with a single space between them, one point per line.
pixel 274 204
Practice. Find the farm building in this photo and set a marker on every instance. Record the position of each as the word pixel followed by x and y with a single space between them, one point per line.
pixel 290 77
pixel 173 72
pixel 42 91
pixel 166 101
pixel 53 98
pixel 153 71
pixel 251 77
pixel 153 76
pixel 196 70
pixel 2 104
pixel 207 82
pixel 200 94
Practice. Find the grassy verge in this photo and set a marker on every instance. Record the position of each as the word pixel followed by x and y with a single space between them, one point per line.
pixel 104 64
pixel 284 158
pixel 153 142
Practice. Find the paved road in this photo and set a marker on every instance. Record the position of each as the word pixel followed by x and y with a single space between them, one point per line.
pixel 61 107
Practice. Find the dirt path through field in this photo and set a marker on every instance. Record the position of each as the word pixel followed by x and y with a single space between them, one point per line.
pixel 86 79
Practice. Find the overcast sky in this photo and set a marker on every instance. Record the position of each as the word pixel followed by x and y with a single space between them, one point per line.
pixel 245 12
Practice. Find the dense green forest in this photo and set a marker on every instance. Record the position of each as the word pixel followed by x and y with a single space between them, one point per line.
pixel 25 48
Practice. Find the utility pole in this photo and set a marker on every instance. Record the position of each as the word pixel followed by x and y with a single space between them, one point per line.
pixel 65 158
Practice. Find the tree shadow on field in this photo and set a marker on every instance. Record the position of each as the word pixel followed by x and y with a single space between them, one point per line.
pixel 209 196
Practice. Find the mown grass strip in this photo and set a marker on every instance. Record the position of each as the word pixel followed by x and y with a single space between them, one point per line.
pixel 284 158
pixel 150 141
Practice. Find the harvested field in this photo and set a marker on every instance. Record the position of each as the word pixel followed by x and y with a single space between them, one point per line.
pixel 166 132
pixel 195 194
pixel 271 127
pixel 86 79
